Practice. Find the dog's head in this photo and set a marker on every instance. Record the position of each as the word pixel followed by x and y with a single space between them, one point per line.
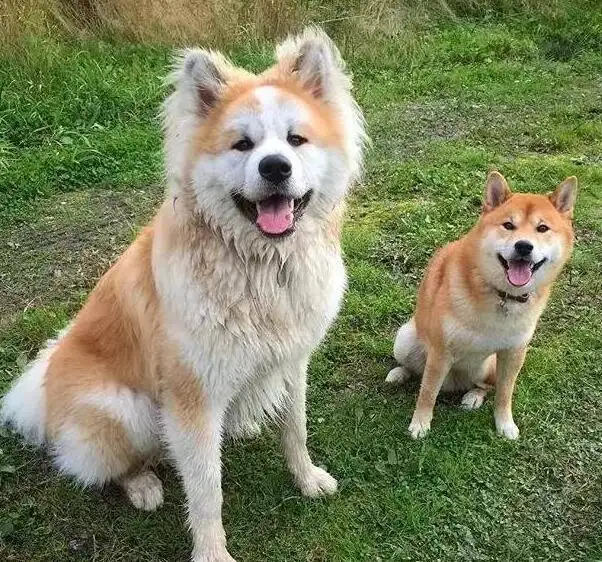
pixel 525 238
pixel 264 153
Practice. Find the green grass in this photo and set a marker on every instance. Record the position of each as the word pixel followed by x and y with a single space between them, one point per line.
pixel 80 172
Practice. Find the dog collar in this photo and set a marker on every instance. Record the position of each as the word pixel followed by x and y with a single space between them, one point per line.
pixel 505 297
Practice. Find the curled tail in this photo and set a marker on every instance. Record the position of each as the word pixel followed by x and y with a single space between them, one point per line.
pixel 24 407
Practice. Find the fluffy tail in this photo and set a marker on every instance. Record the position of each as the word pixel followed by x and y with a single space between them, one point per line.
pixel 24 407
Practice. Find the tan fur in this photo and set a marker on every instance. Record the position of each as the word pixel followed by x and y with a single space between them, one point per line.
pixel 115 341
pixel 460 325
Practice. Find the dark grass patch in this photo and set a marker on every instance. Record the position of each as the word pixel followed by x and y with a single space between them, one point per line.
pixel 69 245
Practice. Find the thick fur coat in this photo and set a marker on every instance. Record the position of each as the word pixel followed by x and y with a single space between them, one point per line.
pixel 205 325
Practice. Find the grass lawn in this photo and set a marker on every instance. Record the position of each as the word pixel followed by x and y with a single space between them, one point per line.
pixel 80 173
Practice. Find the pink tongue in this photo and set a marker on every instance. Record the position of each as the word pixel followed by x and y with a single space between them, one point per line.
pixel 275 215
pixel 519 272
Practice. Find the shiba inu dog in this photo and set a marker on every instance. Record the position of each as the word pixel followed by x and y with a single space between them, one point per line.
pixel 481 298
pixel 206 324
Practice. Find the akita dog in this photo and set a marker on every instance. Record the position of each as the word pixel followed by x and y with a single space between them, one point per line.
pixel 481 298
pixel 206 324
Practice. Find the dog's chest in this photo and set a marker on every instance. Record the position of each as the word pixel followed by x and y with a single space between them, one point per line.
pixel 246 315
pixel 280 307
pixel 489 332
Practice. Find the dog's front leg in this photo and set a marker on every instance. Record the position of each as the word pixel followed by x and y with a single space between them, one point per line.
pixel 436 369
pixel 193 428
pixel 312 480
pixel 509 363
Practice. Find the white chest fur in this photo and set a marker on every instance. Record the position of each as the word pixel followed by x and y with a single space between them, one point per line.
pixel 238 320
pixel 482 333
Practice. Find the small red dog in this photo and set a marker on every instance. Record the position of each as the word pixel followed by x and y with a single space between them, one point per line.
pixel 481 298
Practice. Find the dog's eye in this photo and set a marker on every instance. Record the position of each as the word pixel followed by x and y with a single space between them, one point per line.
pixel 296 140
pixel 543 228
pixel 243 145
pixel 508 226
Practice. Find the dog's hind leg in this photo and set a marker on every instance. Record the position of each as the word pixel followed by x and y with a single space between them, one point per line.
pixel 144 489
pixel 398 375
pixel 108 434
pixel 409 353
pixel 474 398
pixel 484 382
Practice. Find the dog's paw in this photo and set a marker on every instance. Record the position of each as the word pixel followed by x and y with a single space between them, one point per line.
pixel 473 399
pixel 399 375
pixel 144 490
pixel 508 429
pixel 316 482
pixel 419 428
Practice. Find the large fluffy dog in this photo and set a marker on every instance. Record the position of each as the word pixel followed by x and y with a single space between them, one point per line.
pixel 206 324
pixel 481 298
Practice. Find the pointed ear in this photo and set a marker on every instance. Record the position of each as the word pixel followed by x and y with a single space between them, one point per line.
pixel 316 62
pixel 202 75
pixel 564 196
pixel 496 191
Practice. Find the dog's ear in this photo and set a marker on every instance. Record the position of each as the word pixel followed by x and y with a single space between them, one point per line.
pixel 315 61
pixel 564 196
pixel 496 191
pixel 202 75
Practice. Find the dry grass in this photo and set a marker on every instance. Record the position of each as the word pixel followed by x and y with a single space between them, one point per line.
pixel 21 18
pixel 227 22
pixel 180 21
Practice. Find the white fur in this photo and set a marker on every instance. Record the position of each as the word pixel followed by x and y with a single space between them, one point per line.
pixel 250 354
pixel 473 399
pixel 24 406
pixel 418 428
pixel 507 428
pixel 144 490
pixel 398 375
pixel 135 412
pixel 494 332
pixel 76 455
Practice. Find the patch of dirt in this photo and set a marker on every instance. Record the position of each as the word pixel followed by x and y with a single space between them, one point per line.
pixel 69 243
pixel 419 124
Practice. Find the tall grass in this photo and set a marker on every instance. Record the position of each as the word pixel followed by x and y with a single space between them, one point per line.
pixel 227 22
pixel 23 18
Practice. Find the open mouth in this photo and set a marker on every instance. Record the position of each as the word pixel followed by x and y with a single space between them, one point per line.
pixel 275 216
pixel 519 272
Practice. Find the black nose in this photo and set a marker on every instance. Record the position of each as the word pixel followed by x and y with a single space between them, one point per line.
pixel 275 168
pixel 523 248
